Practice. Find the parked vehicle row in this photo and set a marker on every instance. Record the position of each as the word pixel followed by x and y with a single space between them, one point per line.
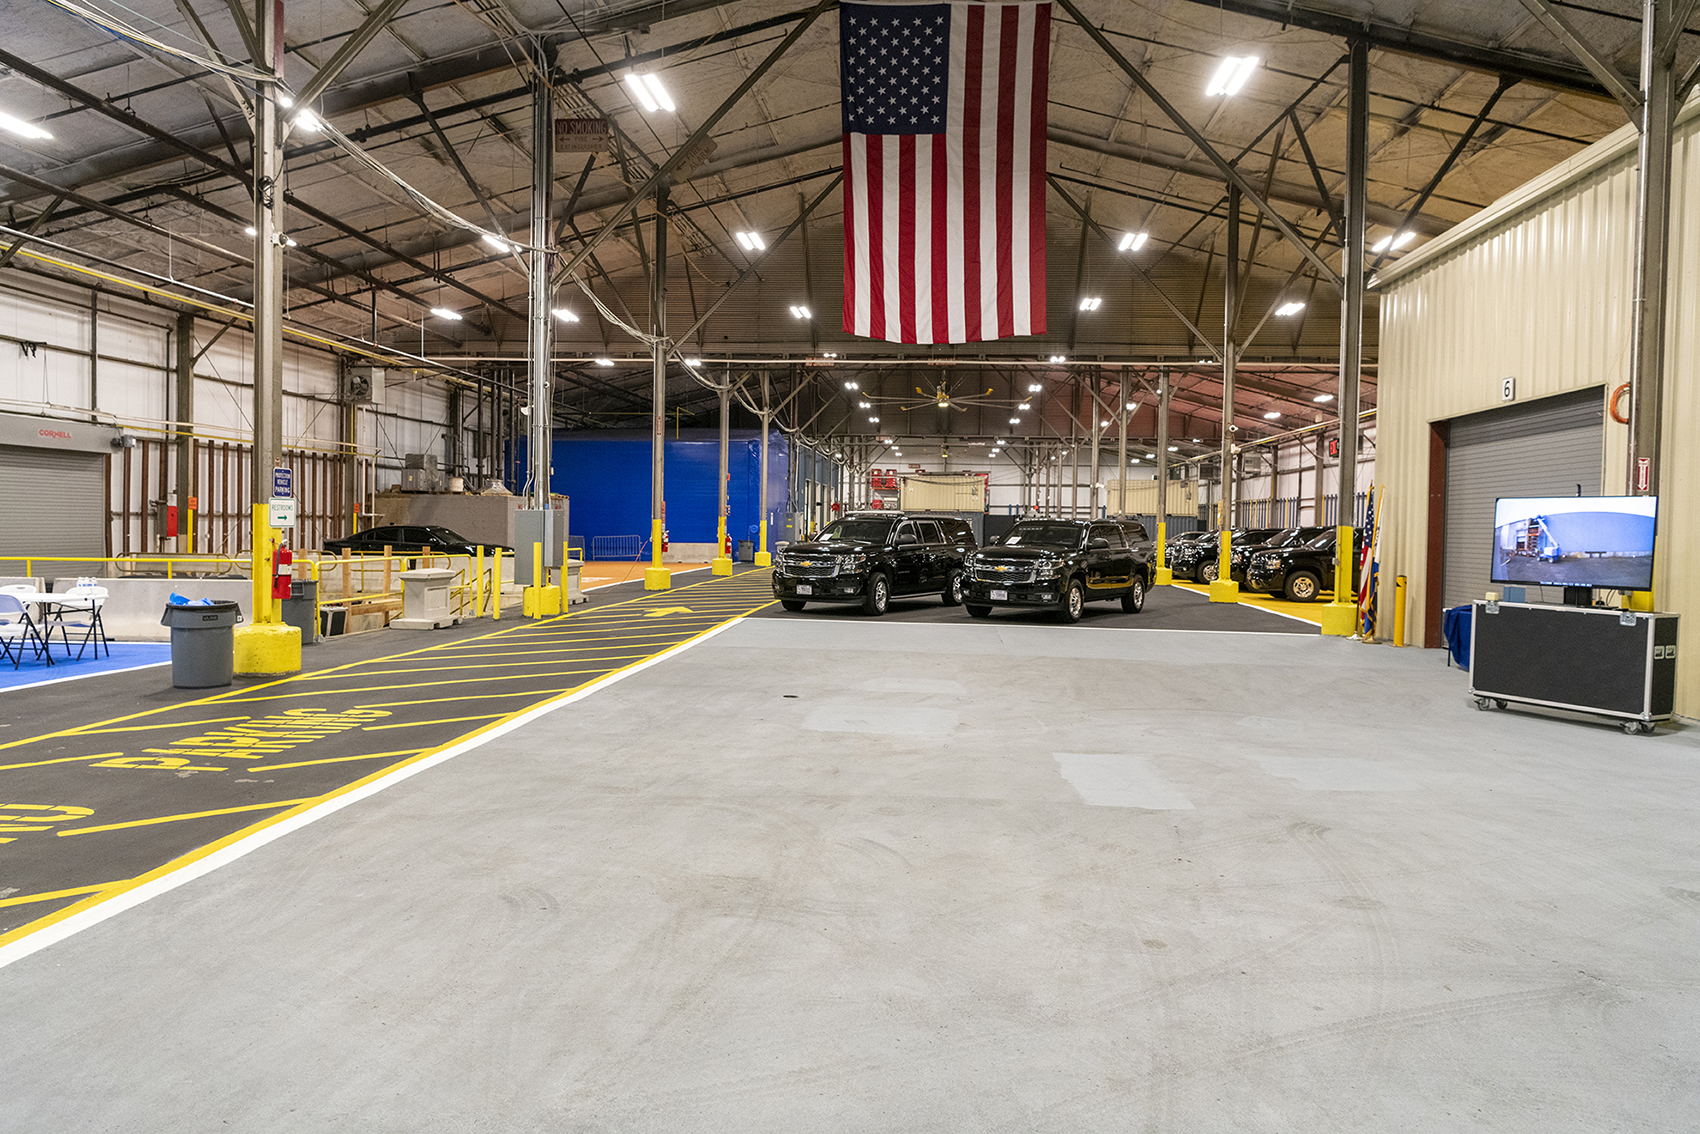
pixel 1296 563
pixel 1061 565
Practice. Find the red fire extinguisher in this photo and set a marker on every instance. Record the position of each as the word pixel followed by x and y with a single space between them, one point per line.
pixel 283 573
pixel 728 548
pixel 663 539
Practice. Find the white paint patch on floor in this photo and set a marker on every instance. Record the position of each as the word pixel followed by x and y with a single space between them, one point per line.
pixel 1336 773
pixel 1111 779
pixel 885 720
pixel 915 685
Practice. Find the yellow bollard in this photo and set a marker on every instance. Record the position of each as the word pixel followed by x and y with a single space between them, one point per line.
pixel 1399 611
pixel 478 584
pixel 1340 617
pixel 763 559
pixel 655 576
pixel 1163 576
pixel 1222 587
pixel 265 646
pixel 496 590
pixel 541 599
pixel 722 564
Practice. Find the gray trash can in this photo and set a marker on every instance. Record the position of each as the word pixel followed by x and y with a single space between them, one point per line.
pixel 746 551
pixel 301 610
pixel 203 644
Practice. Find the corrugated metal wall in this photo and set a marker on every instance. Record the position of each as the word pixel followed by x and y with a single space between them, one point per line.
pixel 1538 287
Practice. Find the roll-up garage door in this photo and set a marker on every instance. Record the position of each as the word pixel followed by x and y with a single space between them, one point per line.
pixel 53 503
pixel 1545 448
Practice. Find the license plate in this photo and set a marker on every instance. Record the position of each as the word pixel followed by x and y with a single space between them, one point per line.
pixel 805 589
pixel 1000 594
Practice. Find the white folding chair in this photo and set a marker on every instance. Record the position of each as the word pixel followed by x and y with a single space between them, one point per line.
pixel 84 618
pixel 19 589
pixel 16 630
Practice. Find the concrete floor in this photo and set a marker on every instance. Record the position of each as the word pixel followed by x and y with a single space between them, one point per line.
pixel 846 875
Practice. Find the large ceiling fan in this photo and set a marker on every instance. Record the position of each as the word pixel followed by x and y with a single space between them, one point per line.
pixel 942 397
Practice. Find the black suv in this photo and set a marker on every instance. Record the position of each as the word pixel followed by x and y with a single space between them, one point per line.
pixel 873 557
pixel 1187 559
pixel 1242 553
pixel 1063 564
pixel 1301 571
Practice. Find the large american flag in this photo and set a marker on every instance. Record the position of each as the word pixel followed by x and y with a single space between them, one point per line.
pixel 944 159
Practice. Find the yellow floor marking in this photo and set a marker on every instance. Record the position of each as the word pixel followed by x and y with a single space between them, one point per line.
pixel 458 666
pixel 49 895
pixel 407 685
pixel 422 724
pixel 1304 611
pixel 175 724
pixel 62 760
pixel 467 697
pixel 180 818
pixel 335 760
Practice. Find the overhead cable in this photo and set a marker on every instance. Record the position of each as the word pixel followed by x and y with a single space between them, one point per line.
pixel 124 31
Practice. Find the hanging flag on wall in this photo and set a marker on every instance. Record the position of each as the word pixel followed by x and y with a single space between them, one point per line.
pixel 944 160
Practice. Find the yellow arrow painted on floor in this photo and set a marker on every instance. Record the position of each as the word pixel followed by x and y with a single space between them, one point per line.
pixel 669 610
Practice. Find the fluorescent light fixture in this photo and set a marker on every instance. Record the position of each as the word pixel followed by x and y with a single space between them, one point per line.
pixel 1015 421
pixel 1395 242
pixel 874 420
pixel 446 313
pixel 603 361
pixel 829 354
pixel 1292 308
pixel 1231 75
pixel 1091 303
pixel 308 121
pixel 647 91
pixel 1025 405
pixel 1172 449
pixel 564 315
pixel 864 405
pixel 1059 358
pixel 750 241
pixel 251 231
pixel 289 242
pixel 1133 460
pixel 1133 405
pixel 1320 398
pixel 693 363
pixel 1132 241
pixel 23 129
pixel 497 243
pixel 1035 388
pixel 851 386
pixel 1272 415
pixel 285 101
pixel 800 312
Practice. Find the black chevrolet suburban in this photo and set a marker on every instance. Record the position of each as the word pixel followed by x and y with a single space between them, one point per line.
pixel 1062 564
pixel 872 557
pixel 1300 571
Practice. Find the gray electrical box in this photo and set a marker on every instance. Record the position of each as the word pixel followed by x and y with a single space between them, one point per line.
pixel 548 527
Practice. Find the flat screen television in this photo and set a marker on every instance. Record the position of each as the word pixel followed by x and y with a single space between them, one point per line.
pixel 1575 541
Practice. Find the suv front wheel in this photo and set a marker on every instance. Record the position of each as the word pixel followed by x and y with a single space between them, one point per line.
pixel 876 597
pixel 1074 602
pixel 952 595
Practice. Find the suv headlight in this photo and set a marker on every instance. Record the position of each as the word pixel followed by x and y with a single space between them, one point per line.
pixel 1047 569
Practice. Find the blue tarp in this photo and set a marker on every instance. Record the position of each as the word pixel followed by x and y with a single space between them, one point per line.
pixel 1455 626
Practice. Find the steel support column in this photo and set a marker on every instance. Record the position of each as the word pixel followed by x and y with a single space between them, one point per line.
pixel 1223 588
pixel 540 332
pixel 183 414
pixel 1652 238
pixel 1122 414
pixel 655 576
pixel 1164 576
pixel 722 561
pixel 1340 617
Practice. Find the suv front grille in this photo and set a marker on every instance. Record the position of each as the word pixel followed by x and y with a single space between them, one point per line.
pixel 815 568
pixel 1003 573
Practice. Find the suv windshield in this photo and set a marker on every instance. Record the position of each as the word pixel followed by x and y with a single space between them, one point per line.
pixel 1042 534
pixel 856 531
pixel 1326 539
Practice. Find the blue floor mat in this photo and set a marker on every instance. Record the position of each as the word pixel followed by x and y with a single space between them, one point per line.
pixel 125 655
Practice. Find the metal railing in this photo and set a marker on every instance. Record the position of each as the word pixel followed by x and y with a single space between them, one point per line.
pixel 176 566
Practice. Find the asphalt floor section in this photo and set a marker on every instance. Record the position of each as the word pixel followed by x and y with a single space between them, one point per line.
pixel 1166 608
pixel 103 803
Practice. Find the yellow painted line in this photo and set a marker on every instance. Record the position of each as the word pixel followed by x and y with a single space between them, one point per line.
pixel 459 667
pixel 422 724
pixel 180 818
pixel 1303 611
pixel 174 724
pixel 468 697
pixel 61 760
pixel 52 894
pixel 414 685
pixel 336 760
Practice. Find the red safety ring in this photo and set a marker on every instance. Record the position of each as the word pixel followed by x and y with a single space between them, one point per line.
pixel 1617 396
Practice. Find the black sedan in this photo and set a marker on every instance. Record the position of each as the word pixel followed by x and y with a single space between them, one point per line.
pixel 408 539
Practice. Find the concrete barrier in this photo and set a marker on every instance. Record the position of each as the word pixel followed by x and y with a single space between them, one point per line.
pixel 133 606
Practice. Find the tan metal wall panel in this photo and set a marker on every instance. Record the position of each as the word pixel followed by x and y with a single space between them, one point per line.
pixel 1543 294
pixel 1142 497
pixel 942 494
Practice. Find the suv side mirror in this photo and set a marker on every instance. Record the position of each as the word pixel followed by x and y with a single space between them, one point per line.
pixel 1099 543
pixel 908 538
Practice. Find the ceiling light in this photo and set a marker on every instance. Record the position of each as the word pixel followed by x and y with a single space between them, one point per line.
pixel 750 241
pixel 285 101
pixel 1132 241
pixel 829 354
pixel 289 242
pixel 603 361
pixel 1105 424
pixel 875 420
pixel 1172 449
pixel 497 243
pixel 1231 75
pixel 1292 308
pixel 864 405
pixel 1272 415
pixel 1035 388
pixel 25 129
pixel 564 315
pixel 1091 303
pixel 446 313
pixel 1133 460
pixel 800 312
pixel 1015 421
pixel 251 231
pixel 1025 405
pixel 308 121
pixel 647 90
pixel 1393 242
pixel 1058 358
pixel 693 363
pixel 851 386
pixel 1320 398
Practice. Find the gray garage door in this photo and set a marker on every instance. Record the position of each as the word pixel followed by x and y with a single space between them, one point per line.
pixel 51 503
pixel 1544 448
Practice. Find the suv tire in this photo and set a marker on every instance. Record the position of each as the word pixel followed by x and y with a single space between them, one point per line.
pixel 1073 602
pixel 979 611
pixel 952 595
pixel 877 596
pixel 1302 586
pixel 1208 570
pixel 1134 601
pixel 792 604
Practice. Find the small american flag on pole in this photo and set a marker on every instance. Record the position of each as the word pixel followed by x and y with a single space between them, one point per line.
pixel 944 160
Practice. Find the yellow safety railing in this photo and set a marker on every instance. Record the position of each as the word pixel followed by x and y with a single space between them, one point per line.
pixel 128 564
pixel 477 588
